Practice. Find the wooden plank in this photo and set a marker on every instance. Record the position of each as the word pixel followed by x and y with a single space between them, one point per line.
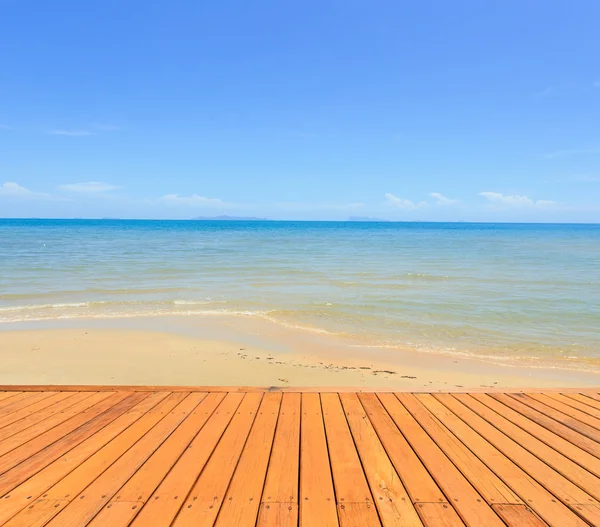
pixel 278 515
pixel 583 458
pixel 392 501
pixel 16 406
pixel 574 403
pixel 529 490
pixel 559 462
pixel 554 402
pixel 469 504
pixel 358 514
pixel 263 389
pixel 491 488
pixel 317 498
pixel 13 417
pixel 567 433
pixel 571 422
pixel 355 503
pixel 128 500
pixel 8 402
pixel 192 389
pixel 85 473
pixel 416 479
pixel 348 476
pixel 166 501
pixel 242 500
pixel 437 515
pixel 7 395
pixel 594 396
pixel 586 399
pixel 40 416
pixel 99 422
pixel 33 487
pixel 49 455
pixel 38 512
pixel 91 500
pixel 145 481
pixel 206 497
pixel 90 408
pixel 281 485
pixel 138 388
pixel 53 419
pixel 117 513
pixel 560 486
pixel 520 515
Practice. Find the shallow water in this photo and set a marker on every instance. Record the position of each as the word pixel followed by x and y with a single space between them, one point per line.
pixel 528 294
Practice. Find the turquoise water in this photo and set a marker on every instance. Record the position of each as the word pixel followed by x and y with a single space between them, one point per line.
pixel 503 292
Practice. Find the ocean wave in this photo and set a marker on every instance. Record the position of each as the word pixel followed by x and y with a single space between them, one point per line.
pixel 36 317
pixel 567 362
pixel 104 303
pixel 33 307
pixel 571 359
pixel 41 312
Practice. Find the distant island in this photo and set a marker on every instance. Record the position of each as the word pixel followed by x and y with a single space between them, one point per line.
pixel 230 218
pixel 365 218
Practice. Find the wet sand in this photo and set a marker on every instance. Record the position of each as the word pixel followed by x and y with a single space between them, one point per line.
pixel 229 351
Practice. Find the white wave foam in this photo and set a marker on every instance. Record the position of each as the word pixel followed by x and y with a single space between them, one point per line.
pixel 33 307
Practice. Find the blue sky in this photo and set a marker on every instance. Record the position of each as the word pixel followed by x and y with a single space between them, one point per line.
pixel 434 110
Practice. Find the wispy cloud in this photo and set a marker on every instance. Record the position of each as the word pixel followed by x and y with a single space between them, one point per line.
pixel 404 204
pixel 548 91
pixel 71 133
pixel 90 187
pixel 571 152
pixel 5 127
pixel 194 200
pixel 296 206
pixel 514 201
pixel 14 190
pixel 443 200
pixel 577 87
pixel 85 132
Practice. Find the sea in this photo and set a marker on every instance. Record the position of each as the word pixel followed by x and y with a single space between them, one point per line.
pixel 526 294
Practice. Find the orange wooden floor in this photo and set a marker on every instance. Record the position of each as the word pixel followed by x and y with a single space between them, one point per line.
pixel 118 457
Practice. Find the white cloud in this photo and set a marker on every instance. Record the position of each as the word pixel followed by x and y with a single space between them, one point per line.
pixel 514 201
pixel 572 152
pixel 443 200
pixel 15 190
pixel 87 131
pixel 12 189
pixel 90 187
pixel 71 133
pixel 194 200
pixel 404 204
pixel 293 206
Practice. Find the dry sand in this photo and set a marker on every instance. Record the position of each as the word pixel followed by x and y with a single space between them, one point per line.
pixel 233 352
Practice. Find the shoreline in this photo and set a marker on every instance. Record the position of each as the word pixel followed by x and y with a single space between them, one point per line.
pixel 229 351
pixel 498 355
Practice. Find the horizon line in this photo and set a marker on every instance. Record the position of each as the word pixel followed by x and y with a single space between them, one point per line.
pixel 269 220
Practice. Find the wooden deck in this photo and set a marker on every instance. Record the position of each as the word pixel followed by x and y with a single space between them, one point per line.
pixel 160 457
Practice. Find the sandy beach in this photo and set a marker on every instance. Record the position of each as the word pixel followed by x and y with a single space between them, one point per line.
pixel 234 351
